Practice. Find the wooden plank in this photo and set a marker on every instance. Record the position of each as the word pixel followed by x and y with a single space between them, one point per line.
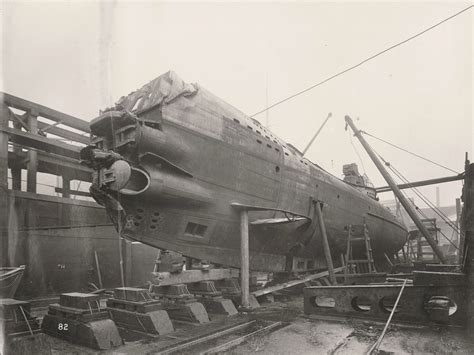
pixel 188 276
pixel 45 112
pixel 4 200
pixel 292 283
pixel 64 133
pixel 18 123
pixel 15 169
pixel 32 164
pixel 71 192
pixel 244 258
pixel 52 165
pixel 42 143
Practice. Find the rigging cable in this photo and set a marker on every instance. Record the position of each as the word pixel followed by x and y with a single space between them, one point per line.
pixel 357 152
pixel 362 62
pixel 428 202
pixel 419 194
pixel 426 217
pixel 407 151
pixel 420 211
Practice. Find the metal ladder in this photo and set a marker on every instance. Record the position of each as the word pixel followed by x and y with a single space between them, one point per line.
pixel 359 266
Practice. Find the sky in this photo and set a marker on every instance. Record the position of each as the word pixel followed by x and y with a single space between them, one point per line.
pixel 81 56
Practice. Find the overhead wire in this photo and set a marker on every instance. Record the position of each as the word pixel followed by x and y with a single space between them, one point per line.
pixel 363 61
pixel 418 192
pixel 357 152
pixel 428 202
pixel 407 151
pixel 420 211
pixel 402 178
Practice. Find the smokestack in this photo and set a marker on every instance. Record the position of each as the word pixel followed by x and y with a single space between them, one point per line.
pixel 437 197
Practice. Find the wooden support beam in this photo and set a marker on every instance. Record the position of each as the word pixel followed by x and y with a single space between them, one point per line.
pixel 53 165
pixel 421 183
pixel 64 133
pixel 127 245
pixel 32 164
pixel 191 276
pixel 36 141
pixel 327 251
pixel 292 283
pixel 72 192
pixel 21 122
pixel 45 112
pixel 4 207
pixel 66 190
pixel 244 258
pixel 16 168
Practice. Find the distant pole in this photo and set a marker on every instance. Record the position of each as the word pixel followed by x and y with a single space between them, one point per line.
pixel 244 257
pixel 327 251
pixel 317 133
pixel 403 200
pixel 438 204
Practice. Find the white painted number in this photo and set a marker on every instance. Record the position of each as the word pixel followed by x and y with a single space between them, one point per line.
pixel 62 326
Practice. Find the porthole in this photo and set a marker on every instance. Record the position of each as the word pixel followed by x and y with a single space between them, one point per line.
pixel 324 302
pixel 387 303
pixel 361 304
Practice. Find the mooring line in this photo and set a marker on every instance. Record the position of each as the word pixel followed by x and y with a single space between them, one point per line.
pixel 374 348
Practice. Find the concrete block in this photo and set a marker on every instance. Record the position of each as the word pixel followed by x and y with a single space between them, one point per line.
pixel 219 305
pixel 155 322
pixel 100 334
pixel 189 312
pixel 132 294
pixel 79 300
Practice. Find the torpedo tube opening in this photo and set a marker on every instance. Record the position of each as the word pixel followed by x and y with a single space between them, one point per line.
pixel 139 182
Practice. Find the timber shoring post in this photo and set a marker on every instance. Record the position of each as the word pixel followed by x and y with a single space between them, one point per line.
pixel 4 202
pixel 99 275
pixel 411 212
pixel 32 165
pixel 327 251
pixel 244 257
pixel 16 171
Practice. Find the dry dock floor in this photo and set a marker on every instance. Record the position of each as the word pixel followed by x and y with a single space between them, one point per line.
pixel 302 335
